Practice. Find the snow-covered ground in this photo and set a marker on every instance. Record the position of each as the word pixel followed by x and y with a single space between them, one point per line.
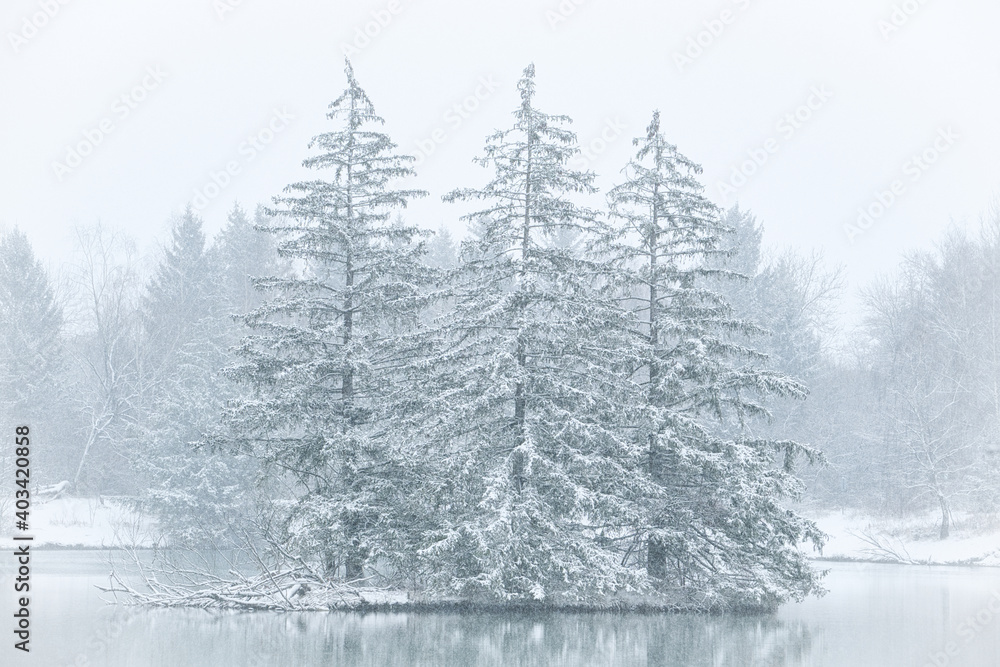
pixel 80 522
pixel 974 539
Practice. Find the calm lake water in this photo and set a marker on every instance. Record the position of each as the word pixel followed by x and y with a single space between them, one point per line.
pixel 877 615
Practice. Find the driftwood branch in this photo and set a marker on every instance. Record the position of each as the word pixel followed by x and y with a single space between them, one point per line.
pixel 882 547
pixel 170 581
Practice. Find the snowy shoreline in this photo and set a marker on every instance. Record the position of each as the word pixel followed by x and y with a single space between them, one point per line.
pixel 105 523
pixel 855 537
pixel 69 523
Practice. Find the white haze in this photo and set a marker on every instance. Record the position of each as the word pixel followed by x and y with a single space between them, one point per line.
pixel 225 73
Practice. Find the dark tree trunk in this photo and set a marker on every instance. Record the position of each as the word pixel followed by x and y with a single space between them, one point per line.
pixel 656 559
pixel 520 394
pixel 354 569
pixel 945 517
pixel 656 554
pixel 354 558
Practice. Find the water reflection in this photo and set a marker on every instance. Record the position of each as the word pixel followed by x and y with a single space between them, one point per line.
pixel 478 639
pixel 881 616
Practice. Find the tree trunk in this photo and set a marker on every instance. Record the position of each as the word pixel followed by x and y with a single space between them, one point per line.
pixel 520 397
pixel 945 516
pixel 520 400
pixel 656 559
pixel 354 569
pixel 353 559
pixel 656 554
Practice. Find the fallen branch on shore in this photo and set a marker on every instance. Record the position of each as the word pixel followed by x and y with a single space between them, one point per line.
pixel 182 578
pixel 883 548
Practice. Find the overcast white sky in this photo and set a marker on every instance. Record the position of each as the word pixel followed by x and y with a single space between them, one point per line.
pixel 223 68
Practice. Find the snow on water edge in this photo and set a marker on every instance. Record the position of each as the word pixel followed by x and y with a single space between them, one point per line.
pixel 974 539
pixel 90 523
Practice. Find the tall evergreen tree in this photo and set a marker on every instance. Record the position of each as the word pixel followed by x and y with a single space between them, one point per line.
pixel 188 330
pixel 31 346
pixel 32 364
pixel 323 363
pixel 442 251
pixel 180 294
pixel 182 322
pixel 241 252
pixel 714 524
pixel 531 474
pixel 742 243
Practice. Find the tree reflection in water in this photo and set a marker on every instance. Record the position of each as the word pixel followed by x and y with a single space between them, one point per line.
pixel 659 640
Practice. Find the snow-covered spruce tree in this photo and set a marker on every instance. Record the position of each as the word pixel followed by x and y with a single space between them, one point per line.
pixel 32 359
pixel 30 343
pixel 180 295
pixel 531 473
pixel 240 253
pixel 715 526
pixel 442 250
pixel 199 496
pixel 328 350
pixel 183 349
pixel 194 493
